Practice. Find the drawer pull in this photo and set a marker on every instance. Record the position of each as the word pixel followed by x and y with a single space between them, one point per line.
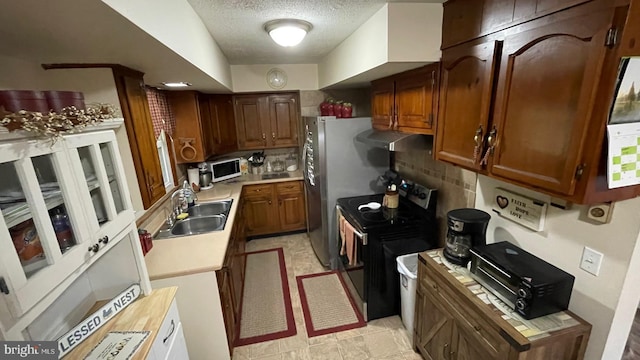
pixel 173 328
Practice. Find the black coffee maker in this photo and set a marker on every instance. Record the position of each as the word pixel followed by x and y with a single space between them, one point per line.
pixel 466 228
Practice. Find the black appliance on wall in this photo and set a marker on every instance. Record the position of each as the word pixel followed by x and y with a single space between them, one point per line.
pixel 382 235
pixel 528 284
pixel 466 229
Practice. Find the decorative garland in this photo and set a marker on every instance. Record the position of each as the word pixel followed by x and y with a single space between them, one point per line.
pixel 52 125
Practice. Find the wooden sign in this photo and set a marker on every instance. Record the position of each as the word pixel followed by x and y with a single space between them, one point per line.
pixel 91 324
pixel 525 211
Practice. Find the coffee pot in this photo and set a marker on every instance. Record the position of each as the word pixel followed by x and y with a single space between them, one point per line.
pixel 466 228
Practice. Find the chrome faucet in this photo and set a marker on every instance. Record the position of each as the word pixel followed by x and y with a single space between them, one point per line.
pixel 175 210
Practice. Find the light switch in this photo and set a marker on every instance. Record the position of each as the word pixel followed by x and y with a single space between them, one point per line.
pixel 591 261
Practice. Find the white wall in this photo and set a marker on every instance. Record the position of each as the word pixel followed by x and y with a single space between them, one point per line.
pixel 96 84
pixel 415 32
pixel 398 33
pixel 561 243
pixel 248 78
pixel 175 24
pixel 365 49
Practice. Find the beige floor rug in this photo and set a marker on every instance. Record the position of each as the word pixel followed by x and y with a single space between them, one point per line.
pixel 327 304
pixel 266 312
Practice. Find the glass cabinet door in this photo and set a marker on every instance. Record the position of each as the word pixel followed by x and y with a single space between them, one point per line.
pixel 96 157
pixel 42 222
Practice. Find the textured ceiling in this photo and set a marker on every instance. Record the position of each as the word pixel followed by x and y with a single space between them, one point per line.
pixel 237 26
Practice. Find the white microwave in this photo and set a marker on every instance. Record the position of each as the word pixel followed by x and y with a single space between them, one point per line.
pixel 224 169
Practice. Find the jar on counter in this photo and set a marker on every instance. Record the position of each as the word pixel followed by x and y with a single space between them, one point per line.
pixel 244 166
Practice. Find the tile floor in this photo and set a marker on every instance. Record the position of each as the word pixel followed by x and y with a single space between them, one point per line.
pixel 380 339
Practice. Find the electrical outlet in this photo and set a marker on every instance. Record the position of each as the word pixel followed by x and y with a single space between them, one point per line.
pixel 591 261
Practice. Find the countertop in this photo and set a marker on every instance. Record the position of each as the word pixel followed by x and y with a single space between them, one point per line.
pixel 205 252
pixel 145 314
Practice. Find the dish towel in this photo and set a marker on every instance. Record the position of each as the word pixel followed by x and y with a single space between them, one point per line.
pixel 349 245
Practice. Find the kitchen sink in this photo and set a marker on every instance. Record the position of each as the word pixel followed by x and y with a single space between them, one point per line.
pixel 199 225
pixel 275 176
pixel 210 209
pixel 203 218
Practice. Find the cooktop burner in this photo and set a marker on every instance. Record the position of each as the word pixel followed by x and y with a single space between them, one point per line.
pixel 366 217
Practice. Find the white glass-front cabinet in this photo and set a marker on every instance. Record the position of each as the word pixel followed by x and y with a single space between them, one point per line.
pixel 63 205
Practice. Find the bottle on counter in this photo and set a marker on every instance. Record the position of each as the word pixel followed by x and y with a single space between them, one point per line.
pixel 189 199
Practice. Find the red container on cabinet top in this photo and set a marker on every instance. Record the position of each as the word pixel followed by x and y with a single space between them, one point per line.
pixel 61 99
pixel 16 100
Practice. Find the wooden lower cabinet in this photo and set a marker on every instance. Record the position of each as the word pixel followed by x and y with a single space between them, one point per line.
pixel 273 208
pixel 451 323
pixel 231 278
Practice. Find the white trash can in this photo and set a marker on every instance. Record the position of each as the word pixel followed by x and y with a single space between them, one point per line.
pixel 408 269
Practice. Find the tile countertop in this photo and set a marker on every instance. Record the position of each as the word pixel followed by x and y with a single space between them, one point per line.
pixel 205 252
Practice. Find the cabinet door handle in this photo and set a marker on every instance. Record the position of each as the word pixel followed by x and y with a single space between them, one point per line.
pixel 477 138
pixel 173 328
pixel 444 350
pixel 273 136
pixel 491 141
pixel 391 117
pixel 94 248
pixel 3 286
pixel 104 240
pixel 264 137
pixel 269 202
pixel 476 328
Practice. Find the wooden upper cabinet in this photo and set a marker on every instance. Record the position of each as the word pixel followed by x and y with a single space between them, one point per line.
pixel 251 115
pixel 465 20
pixel 137 118
pixel 267 120
pixel 223 127
pixel 283 116
pixel 416 100
pixel 382 103
pixel 407 101
pixel 465 102
pixel 193 130
pixel 545 99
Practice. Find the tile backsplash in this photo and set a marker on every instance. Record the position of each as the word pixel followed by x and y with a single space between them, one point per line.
pixel 456 186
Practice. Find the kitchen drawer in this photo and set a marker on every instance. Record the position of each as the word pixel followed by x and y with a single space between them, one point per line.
pixel 167 333
pixel 258 190
pixel 289 187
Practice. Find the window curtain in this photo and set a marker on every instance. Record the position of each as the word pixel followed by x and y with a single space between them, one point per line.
pixel 160 110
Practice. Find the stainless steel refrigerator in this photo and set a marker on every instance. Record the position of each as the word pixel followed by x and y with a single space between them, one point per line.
pixel 336 166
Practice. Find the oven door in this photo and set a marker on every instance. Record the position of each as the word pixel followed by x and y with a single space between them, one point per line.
pixel 354 273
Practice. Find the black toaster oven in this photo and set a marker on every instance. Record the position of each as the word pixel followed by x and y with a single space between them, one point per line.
pixel 530 285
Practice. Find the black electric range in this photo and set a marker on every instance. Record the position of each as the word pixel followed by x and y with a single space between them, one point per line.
pixel 381 235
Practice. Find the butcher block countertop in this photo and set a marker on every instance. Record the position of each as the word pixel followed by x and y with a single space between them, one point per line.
pixel 145 314
pixel 194 254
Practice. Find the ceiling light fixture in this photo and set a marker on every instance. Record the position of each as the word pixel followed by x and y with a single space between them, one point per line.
pixel 176 84
pixel 287 32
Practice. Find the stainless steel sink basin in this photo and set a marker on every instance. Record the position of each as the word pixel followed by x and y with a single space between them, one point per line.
pixel 203 218
pixel 209 209
pixel 199 225
pixel 275 176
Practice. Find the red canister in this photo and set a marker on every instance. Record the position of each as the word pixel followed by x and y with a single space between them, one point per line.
pixel 16 100
pixel 61 99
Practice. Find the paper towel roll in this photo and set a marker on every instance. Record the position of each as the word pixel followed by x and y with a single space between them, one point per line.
pixel 194 176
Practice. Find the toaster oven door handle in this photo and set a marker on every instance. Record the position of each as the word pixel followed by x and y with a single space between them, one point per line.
pixel 496 280
pixel 490 264
pixel 363 236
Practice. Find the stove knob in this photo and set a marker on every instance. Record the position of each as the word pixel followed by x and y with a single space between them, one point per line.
pixel 521 304
pixel 524 293
pixel 422 196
